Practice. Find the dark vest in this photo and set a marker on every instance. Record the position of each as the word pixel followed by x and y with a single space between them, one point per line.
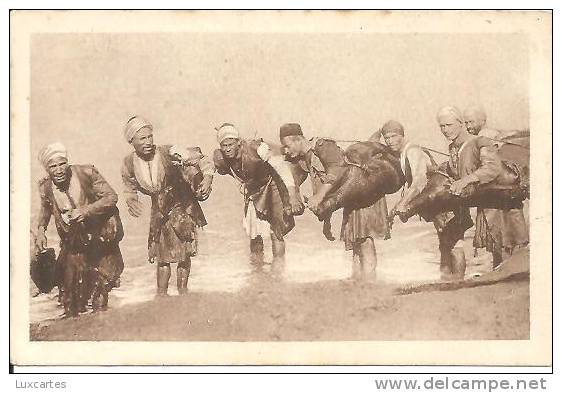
pixel 408 169
pixel 252 170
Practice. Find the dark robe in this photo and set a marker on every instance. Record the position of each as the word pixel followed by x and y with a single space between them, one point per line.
pixel 175 212
pixel 264 187
pixel 90 250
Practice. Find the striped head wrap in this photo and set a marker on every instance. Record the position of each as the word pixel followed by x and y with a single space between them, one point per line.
pixel 226 131
pixel 452 111
pixel 134 124
pixel 52 151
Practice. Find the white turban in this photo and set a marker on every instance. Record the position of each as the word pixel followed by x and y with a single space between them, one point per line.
pixel 450 110
pixel 133 126
pixel 226 131
pixel 52 151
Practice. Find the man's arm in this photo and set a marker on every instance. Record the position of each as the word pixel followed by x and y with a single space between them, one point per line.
pixel 332 159
pixel 487 171
pixel 130 190
pixel 490 165
pixel 282 175
pixel 106 197
pixel 45 212
pixel 418 165
pixel 219 163
pixel 208 169
pixel 207 166
pixel 277 162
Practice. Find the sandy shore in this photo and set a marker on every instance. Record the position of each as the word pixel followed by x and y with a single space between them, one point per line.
pixel 270 310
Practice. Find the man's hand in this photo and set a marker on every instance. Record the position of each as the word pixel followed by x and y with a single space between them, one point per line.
pixel 314 201
pixel 458 186
pixel 135 207
pixel 264 151
pixel 204 189
pixel 77 215
pixel 152 252
pixel 41 240
pixel 297 207
pixel 176 160
pixel 397 210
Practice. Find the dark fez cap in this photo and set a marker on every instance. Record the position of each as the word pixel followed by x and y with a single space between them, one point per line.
pixel 290 129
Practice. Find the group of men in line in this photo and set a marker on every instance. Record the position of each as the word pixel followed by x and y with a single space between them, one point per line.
pixel 177 179
pixel 473 160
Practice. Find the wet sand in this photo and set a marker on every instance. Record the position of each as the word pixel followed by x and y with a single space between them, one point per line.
pixel 494 306
pixel 331 310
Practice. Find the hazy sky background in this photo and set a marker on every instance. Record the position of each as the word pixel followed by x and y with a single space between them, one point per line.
pixel 84 87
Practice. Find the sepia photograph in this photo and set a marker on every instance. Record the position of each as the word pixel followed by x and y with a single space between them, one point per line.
pixel 281 187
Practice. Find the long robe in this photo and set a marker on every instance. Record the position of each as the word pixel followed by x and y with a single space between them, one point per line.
pixel 265 192
pixel 90 251
pixel 496 229
pixel 175 212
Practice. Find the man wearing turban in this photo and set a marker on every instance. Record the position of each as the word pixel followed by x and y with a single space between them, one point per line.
pixel 475 121
pixel 500 231
pixel 270 195
pixel 84 208
pixel 325 162
pixel 175 178
pixel 473 160
pixel 414 162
